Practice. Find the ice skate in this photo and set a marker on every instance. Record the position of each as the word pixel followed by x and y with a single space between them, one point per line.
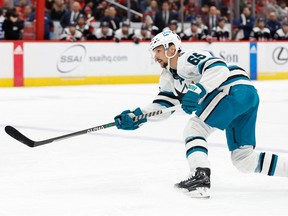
pixel 197 185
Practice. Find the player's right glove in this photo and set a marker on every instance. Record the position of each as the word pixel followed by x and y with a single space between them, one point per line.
pixel 125 121
pixel 190 101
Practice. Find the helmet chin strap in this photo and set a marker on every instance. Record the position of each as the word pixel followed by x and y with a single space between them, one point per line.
pixel 169 57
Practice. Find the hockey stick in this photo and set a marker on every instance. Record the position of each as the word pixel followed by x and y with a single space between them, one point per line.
pixel 13 132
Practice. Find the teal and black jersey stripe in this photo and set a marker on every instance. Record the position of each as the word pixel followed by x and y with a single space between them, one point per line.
pixel 218 61
pixel 168 94
pixel 235 78
pixel 215 64
pixel 235 67
pixel 167 99
pixel 163 103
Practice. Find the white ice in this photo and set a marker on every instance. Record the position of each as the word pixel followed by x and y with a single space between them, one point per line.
pixel 117 173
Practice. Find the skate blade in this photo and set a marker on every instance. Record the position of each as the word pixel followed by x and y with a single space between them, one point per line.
pixel 201 192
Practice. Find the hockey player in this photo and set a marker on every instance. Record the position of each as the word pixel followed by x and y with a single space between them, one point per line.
pixel 193 33
pixel 282 33
pixel 260 32
pixel 124 33
pixel 220 32
pixel 104 32
pixel 70 33
pixel 142 34
pixel 222 96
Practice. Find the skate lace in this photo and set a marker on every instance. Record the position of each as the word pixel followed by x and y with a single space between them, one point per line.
pixel 188 179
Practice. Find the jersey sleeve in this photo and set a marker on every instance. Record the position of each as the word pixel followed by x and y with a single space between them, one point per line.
pixel 166 98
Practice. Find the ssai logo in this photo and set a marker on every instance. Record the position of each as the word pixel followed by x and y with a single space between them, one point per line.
pixel 71 58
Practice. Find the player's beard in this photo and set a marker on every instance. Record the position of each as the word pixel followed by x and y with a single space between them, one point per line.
pixel 164 65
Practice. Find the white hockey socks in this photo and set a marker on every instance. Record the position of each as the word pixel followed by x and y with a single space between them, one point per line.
pixel 197 152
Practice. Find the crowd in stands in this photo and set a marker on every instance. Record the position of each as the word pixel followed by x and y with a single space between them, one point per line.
pixel 101 20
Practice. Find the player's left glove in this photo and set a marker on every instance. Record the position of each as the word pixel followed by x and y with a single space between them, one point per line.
pixel 125 121
pixel 190 101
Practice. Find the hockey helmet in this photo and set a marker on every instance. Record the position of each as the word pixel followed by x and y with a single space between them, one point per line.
pixel 165 38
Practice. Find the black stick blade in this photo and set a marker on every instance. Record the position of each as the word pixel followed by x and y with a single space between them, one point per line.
pixel 19 136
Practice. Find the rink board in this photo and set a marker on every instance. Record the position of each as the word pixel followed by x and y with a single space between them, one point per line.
pixel 88 63
pixel 273 60
pixel 6 64
pixel 65 63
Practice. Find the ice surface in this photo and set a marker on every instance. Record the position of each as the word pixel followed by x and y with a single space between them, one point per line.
pixel 117 173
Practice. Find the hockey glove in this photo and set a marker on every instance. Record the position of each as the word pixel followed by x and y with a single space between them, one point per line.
pixel 190 101
pixel 125 121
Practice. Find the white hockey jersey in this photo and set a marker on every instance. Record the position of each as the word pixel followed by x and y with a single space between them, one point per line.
pixel 195 66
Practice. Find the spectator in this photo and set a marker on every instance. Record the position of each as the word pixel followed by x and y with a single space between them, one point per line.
pixel 92 4
pixel 173 26
pixel 152 9
pixel 220 32
pixel 193 33
pixel 81 2
pixel 246 24
pixel 260 32
pixel 212 18
pixel 188 4
pixel 48 23
pixel 163 17
pixel 282 33
pixel 12 26
pixel 100 10
pixel 142 34
pixel 191 9
pixel 19 2
pixel 205 14
pixel 260 7
pixel 2 18
pixel 134 6
pixel 272 6
pixel 272 24
pixel 71 16
pixel 104 32
pixel 88 14
pixel 49 5
pixel 152 28
pixel 112 18
pixel 174 8
pixel 283 10
pixel 21 7
pixel 70 33
pixel 202 26
pixel 58 10
pixel 27 12
pixel 124 33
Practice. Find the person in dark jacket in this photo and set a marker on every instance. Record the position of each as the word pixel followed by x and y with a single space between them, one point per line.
pixel 246 23
pixel 112 18
pixel 273 24
pixel 13 26
pixel 71 16
pixel 164 17
pixel 48 24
